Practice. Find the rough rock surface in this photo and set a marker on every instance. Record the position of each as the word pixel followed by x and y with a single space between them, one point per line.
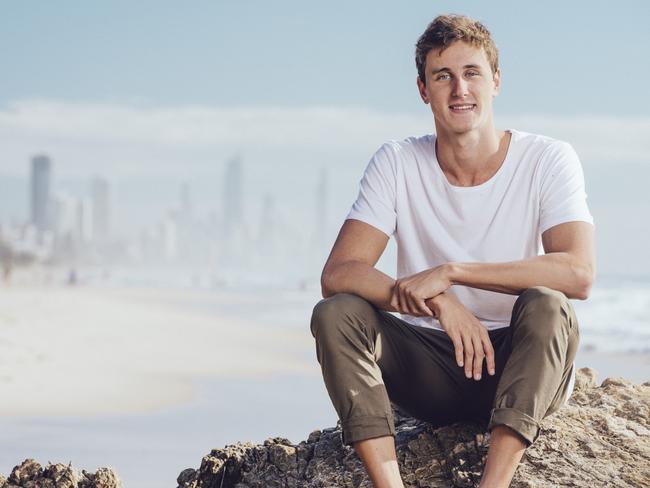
pixel 601 438
pixel 30 474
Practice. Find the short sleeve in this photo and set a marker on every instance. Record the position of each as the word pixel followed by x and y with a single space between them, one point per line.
pixel 562 192
pixel 375 204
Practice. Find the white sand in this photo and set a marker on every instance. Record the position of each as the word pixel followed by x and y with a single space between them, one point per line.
pixel 93 351
pixel 81 351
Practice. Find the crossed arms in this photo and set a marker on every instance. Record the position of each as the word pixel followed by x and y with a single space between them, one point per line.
pixel 568 266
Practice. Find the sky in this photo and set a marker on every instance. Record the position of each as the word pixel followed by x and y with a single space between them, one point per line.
pixel 557 57
pixel 150 93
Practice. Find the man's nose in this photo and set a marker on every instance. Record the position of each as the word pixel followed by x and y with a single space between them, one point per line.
pixel 459 88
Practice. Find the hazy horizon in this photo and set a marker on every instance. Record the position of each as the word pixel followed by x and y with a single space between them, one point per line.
pixel 295 91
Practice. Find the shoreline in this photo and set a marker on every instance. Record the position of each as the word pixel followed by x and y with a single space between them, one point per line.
pixel 634 367
pixel 84 351
pixel 130 350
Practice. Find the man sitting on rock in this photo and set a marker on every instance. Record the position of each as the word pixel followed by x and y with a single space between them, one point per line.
pixel 493 237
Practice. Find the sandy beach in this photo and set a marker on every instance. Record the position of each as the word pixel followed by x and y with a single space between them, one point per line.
pixel 99 351
pixel 80 351
pixel 149 380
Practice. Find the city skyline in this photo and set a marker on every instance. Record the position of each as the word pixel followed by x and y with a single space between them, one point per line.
pixel 294 96
pixel 75 232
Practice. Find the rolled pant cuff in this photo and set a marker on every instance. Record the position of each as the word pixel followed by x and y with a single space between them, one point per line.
pixel 367 427
pixel 525 425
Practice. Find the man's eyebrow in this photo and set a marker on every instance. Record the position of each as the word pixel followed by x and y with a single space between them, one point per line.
pixel 467 66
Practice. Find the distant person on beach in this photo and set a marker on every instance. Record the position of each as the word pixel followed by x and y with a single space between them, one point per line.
pixel 493 236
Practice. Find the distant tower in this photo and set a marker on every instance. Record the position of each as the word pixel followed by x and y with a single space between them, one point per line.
pixel 186 201
pixel 233 201
pixel 84 221
pixel 169 235
pixel 100 210
pixel 40 192
pixel 186 239
pixel 266 236
pixel 322 196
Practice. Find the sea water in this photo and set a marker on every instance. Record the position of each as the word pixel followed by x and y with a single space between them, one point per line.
pixel 615 318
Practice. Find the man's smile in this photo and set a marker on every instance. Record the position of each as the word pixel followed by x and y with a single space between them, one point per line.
pixel 462 107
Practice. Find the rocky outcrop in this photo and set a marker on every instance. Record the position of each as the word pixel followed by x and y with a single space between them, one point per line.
pixel 601 438
pixel 30 474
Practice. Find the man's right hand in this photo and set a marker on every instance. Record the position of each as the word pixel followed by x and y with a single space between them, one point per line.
pixel 470 337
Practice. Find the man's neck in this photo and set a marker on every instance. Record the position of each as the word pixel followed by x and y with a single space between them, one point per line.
pixel 472 158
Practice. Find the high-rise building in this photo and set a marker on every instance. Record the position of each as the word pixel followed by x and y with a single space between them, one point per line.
pixel 267 233
pixel 100 198
pixel 84 221
pixel 40 192
pixel 233 212
pixel 321 233
pixel 185 202
pixel 186 236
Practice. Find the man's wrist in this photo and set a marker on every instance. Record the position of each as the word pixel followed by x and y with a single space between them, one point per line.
pixel 451 272
pixel 435 303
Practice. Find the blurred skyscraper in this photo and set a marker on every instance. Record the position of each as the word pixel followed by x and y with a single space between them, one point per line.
pixel 84 227
pixel 186 202
pixel 40 192
pixel 321 231
pixel 233 212
pixel 100 210
pixel 186 238
pixel 267 239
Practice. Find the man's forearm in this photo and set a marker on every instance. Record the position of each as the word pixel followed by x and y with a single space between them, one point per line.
pixel 360 279
pixel 559 271
pixel 368 282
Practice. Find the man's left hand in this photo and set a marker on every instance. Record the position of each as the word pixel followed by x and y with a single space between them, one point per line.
pixel 409 293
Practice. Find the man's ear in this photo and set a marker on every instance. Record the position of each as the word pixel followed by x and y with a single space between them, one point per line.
pixel 422 89
pixel 497 81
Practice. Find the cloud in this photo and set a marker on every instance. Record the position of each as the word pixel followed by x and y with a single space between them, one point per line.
pixel 130 138
pixel 198 125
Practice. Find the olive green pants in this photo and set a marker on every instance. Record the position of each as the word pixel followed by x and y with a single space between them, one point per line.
pixel 371 358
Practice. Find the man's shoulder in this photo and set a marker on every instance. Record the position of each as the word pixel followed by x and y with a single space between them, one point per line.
pixel 408 149
pixel 544 155
pixel 539 141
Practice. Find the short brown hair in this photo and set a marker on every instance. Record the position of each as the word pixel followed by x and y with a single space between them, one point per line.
pixel 444 30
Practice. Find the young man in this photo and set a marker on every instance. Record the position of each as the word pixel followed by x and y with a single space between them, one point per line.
pixel 493 235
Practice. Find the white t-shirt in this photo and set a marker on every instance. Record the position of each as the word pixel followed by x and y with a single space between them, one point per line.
pixel 404 193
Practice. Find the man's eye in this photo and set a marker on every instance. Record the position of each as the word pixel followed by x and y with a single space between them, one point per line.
pixel 473 73
pixel 443 76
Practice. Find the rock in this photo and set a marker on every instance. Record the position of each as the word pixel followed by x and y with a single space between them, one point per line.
pixel 600 438
pixel 30 474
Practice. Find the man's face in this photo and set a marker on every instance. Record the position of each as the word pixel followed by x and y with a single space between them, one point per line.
pixel 459 88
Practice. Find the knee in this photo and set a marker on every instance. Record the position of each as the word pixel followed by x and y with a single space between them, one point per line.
pixel 332 314
pixel 542 310
pixel 540 299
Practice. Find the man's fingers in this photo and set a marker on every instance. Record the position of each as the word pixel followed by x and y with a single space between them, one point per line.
pixel 394 302
pixel 422 308
pixel 469 355
pixel 409 303
pixel 489 353
pixel 410 306
pixel 458 349
pixel 478 357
